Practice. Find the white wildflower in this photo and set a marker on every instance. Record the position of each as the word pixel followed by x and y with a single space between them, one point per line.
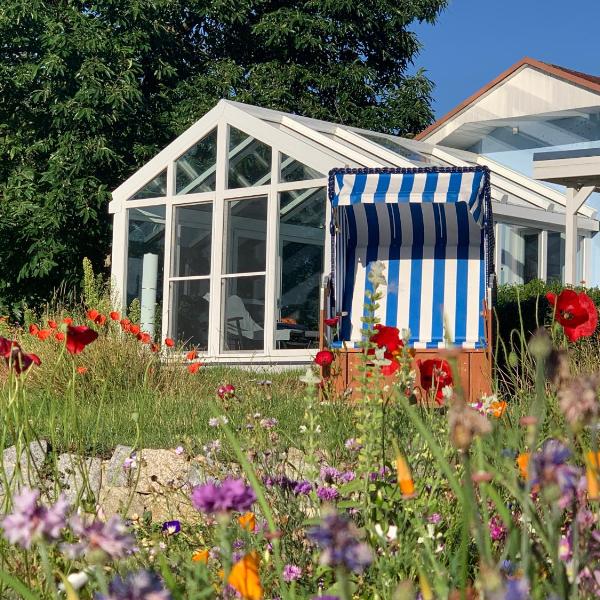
pixel 310 378
pixel 376 273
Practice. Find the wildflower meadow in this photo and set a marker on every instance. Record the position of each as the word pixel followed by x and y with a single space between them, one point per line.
pixel 397 492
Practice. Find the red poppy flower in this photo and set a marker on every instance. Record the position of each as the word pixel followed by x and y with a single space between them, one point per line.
pixel 144 337
pixel 388 337
pixel 44 334
pixel 324 358
pixel 33 329
pixel 114 315
pixel 154 348
pixel 78 337
pixel 194 367
pixel 226 391
pixel 82 370
pixel 15 357
pixel 134 329
pixel 392 367
pixel 52 324
pixel 436 374
pixel 576 312
pixel 332 322
pixel 59 336
pixel 68 321
pixel 169 342
pixel 192 355
pixel 100 320
pixel 92 314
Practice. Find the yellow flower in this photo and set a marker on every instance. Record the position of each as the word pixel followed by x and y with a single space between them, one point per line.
pixel 247 521
pixel 244 577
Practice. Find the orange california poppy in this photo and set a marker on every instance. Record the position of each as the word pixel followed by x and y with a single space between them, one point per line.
pixel 247 521
pixel 201 556
pixel 592 466
pixel 82 370
pixel 498 408
pixel 194 367
pixel 405 480
pixel 523 463
pixel 244 577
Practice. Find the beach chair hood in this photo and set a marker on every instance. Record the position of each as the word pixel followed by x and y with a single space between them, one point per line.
pixel 433 230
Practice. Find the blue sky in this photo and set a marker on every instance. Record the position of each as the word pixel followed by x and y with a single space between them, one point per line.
pixel 473 41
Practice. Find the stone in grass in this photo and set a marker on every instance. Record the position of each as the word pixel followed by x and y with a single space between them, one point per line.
pixel 116 474
pixel 80 477
pixel 31 463
pixel 162 470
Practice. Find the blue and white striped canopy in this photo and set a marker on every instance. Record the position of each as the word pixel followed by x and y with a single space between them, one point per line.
pixel 432 229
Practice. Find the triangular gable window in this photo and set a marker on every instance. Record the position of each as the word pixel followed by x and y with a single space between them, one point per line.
pixel 156 188
pixel 196 169
pixel 249 161
pixel 294 170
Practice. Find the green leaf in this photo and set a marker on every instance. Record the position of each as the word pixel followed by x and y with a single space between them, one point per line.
pixel 17 586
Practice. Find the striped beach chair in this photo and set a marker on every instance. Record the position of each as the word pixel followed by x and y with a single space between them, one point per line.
pixel 433 230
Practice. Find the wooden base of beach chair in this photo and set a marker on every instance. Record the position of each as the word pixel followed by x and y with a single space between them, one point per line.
pixel 473 366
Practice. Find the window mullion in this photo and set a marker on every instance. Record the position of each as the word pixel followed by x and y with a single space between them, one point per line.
pixel 272 266
pixel 543 255
pixel 166 307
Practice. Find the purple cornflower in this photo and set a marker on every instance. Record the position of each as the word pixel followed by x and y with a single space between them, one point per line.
pixel 435 518
pixel 337 537
pixel 238 544
pixel 281 481
pixel 231 495
pixel 143 585
pixel 130 462
pixel 329 474
pixel 347 476
pixel 497 529
pixel 31 521
pixel 516 589
pixel 381 474
pixel 268 423
pixel 352 444
pixel 291 573
pixel 100 539
pixel 327 493
pixel 302 488
pixel 550 469
pixel 171 527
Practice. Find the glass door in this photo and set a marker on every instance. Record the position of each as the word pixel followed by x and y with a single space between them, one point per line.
pixel 243 278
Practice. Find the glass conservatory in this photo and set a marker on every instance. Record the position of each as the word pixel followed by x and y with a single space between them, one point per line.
pixel 221 240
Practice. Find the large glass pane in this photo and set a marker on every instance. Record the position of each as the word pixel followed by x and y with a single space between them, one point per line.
pixel 555 270
pixel 397 147
pixel 193 240
pixel 243 313
pixel 301 251
pixel 245 243
pixel 190 302
pixel 293 170
pixel 249 160
pixel 156 188
pixel 196 169
pixel 145 258
pixel 518 254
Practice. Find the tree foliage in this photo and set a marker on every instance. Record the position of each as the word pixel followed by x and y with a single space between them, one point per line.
pixel 90 90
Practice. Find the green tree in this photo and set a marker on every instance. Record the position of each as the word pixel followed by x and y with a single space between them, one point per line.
pixel 89 90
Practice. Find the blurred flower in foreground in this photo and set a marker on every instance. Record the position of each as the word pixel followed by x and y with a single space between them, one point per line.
pixel 579 400
pixel 550 469
pixel 226 391
pixel 100 540
pixel 244 577
pixel 142 585
pixel 247 521
pixel 78 337
pixel 338 539
pixel 201 556
pixel 14 356
pixel 466 424
pixel 231 495
pixel 31 522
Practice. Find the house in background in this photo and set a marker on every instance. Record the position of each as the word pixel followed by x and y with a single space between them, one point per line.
pixel 223 237
pixel 531 108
